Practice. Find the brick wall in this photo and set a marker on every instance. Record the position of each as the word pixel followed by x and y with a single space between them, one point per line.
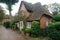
pixel 43 21
pixel 25 10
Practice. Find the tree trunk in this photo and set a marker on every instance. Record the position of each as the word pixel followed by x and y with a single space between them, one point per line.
pixel 9 8
pixel 10 15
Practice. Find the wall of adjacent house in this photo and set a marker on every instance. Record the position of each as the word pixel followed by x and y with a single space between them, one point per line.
pixel 6 20
pixel 25 10
pixel 44 21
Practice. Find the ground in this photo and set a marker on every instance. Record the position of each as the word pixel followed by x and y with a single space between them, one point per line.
pixel 8 34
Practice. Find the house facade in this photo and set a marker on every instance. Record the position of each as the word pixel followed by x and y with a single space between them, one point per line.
pixel 34 12
pixel 6 19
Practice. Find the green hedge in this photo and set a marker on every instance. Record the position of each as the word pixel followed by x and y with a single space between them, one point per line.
pixel 35 29
pixel 53 31
pixel 26 30
pixel 10 24
pixel 57 17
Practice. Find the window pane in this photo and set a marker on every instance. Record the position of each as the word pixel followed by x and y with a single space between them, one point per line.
pixel 46 23
pixel 28 24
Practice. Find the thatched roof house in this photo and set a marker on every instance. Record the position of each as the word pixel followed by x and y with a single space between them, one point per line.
pixel 36 12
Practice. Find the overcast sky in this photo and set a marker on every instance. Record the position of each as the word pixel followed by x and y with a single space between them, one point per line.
pixel 16 6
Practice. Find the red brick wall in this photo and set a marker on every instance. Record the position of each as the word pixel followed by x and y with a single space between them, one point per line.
pixel 43 21
pixel 24 9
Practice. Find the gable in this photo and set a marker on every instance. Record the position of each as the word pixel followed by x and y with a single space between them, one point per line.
pixel 23 8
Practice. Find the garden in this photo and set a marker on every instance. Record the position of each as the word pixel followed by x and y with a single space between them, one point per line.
pixel 51 32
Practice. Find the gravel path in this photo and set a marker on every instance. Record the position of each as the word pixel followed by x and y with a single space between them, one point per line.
pixel 8 34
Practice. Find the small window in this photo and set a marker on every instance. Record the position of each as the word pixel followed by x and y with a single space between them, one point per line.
pixel 28 24
pixel 46 23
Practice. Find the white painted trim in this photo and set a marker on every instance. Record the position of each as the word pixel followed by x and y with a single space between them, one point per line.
pixel 46 23
pixel 21 25
pixel 28 24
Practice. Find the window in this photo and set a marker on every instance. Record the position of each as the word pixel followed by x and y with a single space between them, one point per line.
pixel 28 24
pixel 46 23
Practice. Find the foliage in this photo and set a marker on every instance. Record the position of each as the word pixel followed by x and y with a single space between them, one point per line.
pixel 9 4
pixel 1 13
pixel 6 24
pixel 55 25
pixel 10 25
pixel 57 17
pixel 35 29
pixel 54 8
pixel 26 30
pixel 21 15
pixel 53 31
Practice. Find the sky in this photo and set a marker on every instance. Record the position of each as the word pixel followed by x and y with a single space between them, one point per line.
pixel 16 6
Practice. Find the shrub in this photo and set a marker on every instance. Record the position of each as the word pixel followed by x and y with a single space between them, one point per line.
pixel 35 29
pixel 55 25
pixel 53 31
pixel 57 17
pixel 9 24
pixel 26 30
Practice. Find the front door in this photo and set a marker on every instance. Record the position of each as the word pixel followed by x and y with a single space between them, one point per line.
pixel 21 25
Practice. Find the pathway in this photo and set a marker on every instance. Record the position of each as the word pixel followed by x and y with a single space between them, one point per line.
pixel 8 34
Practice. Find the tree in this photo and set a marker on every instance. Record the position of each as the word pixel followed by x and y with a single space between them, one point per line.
pixel 1 13
pixel 54 8
pixel 57 17
pixel 9 4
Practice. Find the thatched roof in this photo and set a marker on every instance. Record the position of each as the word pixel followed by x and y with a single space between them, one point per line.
pixel 36 10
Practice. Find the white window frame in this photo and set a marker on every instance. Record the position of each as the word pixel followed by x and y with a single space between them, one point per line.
pixel 28 24
pixel 21 25
pixel 47 23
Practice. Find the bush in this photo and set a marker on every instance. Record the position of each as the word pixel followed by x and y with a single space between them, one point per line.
pixel 55 25
pixel 35 29
pixel 26 30
pixel 9 24
pixel 57 17
pixel 53 31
